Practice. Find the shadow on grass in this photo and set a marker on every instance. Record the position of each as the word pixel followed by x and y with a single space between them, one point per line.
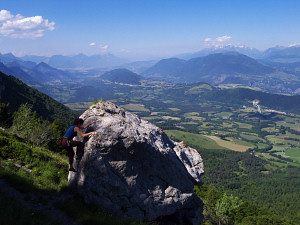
pixel 74 206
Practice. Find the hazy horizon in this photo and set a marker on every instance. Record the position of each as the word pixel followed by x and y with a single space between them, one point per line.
pixel 141 29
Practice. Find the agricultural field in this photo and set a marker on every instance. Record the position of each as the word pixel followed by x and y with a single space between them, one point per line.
pixel 135 107
pixel 238 127
pixel 244 151
pixel 229 144
pixel 193 139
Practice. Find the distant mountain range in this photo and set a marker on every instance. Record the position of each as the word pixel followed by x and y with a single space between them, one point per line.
pixel 78 61
pixel 251 52
pixel 208 68
pixel 277 69
pixel 229 68
pixel 276 54
pixel 282 54
pixel 36 73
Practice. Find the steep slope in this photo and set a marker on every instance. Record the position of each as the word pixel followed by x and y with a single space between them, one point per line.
pixel 16 93
pixel 45 73
pixel 166 67
pixel 5 58
pixel 5 69
pixel 15 69
pixel 11 60
pixel 122 76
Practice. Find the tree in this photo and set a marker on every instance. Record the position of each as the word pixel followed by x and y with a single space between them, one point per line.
pixel 58 131
pixel 29 126
pixel 5 115
pixel 24 121
pixel 226 208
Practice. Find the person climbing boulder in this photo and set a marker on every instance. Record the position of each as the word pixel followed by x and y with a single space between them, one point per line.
pixel 68 143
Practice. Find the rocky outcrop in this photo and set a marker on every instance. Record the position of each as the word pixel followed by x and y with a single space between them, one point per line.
pixel 131 167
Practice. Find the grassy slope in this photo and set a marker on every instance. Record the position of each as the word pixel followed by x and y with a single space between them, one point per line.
pixel 45 177
pixel 193 139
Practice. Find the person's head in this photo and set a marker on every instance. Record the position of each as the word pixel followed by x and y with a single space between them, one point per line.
pixel 78 122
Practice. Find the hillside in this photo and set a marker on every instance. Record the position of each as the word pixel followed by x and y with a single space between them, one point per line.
pixel 15 92
pixel 165 67
pixel 122 76
pixel 251 52
pixel 209 68
pixel 283 55
pixel 45 73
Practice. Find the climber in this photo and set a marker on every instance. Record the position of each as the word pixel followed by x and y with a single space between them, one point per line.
pixel 67 140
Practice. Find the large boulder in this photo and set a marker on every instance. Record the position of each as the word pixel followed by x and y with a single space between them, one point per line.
pixel 131 167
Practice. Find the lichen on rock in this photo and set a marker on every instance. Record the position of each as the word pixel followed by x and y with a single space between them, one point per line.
pixel 131 167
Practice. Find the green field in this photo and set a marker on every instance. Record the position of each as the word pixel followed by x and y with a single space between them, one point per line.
pixel 79 106
pixel 191 139
pixel 293 153
pixel 229 144
pixel 135 107
pixel 251 137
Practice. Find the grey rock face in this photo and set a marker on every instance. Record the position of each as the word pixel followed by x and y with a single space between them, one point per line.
pixel 132 168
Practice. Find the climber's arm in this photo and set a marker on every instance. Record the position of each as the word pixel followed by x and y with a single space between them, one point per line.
pixel 76 129
pixel 88 124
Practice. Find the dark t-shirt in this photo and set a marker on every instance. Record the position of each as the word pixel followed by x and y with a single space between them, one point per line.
pixel 71 133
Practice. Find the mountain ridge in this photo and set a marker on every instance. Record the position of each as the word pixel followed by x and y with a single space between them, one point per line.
pixel 196 69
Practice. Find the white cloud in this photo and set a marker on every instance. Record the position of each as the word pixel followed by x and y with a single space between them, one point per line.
pixel 207 39
pixel 217 41
pixel 18 26
pixel 104 47
pixel 223 38
pixel 293 45
pixel 92 44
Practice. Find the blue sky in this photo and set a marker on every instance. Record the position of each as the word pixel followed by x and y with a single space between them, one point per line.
pixel 144 28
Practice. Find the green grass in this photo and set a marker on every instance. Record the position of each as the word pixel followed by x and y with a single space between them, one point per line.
pixel 293 153
pixel 135 107
pixel 275 140
pixel 191 139
pixel 229 144
pixel 261 145
pixel 46 175
pixel 223 114
pixel 244 125
pixel 191 114
pixel 251 137
pixel 240 142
